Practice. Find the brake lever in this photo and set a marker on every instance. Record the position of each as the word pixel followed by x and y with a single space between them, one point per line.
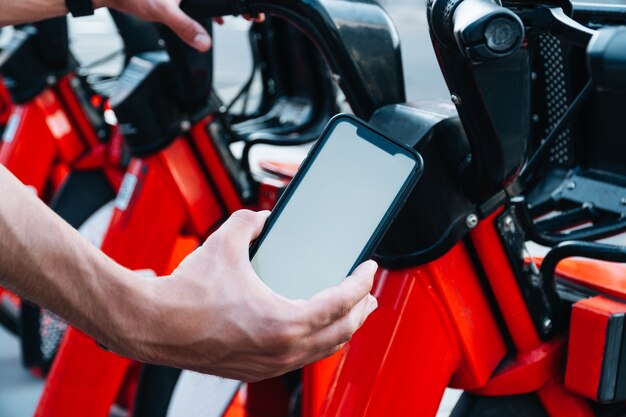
pixel 555 20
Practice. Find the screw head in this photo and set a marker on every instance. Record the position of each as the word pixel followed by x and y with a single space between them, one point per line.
pixel 547 324
pixel 51 80
pixel 471 220
pixel 456 99
pixel 185 125
pixel 571 185
pixel 509 224
pixel 623 201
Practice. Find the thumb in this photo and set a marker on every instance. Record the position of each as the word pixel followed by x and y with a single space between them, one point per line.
pixel 186 28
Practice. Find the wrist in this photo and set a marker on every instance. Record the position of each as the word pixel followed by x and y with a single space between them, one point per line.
pixel 124 311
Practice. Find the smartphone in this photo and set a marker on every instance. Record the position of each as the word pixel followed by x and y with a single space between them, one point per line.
pixel 336 209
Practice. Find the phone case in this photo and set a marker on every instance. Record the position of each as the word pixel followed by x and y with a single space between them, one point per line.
pixel 394 208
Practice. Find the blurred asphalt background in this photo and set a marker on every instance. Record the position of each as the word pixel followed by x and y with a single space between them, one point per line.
pixel 95 37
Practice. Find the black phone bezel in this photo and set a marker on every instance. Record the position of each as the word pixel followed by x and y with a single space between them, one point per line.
pixel 394 207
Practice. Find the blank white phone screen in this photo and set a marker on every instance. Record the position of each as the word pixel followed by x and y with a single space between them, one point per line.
pixel 332 215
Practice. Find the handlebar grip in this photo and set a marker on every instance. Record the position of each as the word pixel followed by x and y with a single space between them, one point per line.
pixel 484 30
pixel 216 8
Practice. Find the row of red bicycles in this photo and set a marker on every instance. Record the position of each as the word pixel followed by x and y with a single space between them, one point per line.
pixel 528 151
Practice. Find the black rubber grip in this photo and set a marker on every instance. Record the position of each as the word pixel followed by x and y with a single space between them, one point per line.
pixel 216 8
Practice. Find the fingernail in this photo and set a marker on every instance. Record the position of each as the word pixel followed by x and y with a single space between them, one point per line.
pixel 372 304
pixel 202 41
pixel 370 267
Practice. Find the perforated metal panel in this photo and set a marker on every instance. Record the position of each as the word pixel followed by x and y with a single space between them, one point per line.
pixel 556 95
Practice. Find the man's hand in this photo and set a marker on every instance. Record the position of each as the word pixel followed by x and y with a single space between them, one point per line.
pixel 167 12
pixel 214 314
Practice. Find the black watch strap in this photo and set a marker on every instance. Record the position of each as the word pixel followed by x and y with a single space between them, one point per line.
pixel 80 8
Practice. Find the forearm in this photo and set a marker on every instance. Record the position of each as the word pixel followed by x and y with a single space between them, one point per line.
pixel 46 261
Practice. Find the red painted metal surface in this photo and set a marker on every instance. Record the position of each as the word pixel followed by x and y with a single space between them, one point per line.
pixel 6 104
pixel 201 203
pixel 527 372
pixel 316 381
pixel 503 283
pixel 51 136
pixel 457 281
pixel 75 110
pixel 604 277
pixel 69 394
pixel 587 343
pixel 215 166
pixel 28 159
pixel 558 402
pixel 402 359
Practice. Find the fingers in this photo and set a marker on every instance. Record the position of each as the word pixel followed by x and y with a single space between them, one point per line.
pixel 259 18
pixel 186 28
pixel 333 337
pixel 341 331
pixel 334 303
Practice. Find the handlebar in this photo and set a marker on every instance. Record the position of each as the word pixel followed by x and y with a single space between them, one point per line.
pixel 482 29
pixel 356 37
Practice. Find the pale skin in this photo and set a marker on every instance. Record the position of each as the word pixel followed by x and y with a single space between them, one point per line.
pixel 212 314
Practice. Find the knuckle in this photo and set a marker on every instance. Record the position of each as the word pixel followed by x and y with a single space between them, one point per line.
pixel 344 304
pixel 346 334
pixel 287 361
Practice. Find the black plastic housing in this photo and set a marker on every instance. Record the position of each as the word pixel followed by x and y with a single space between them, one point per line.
pixel 36 54
pixel 606 56
pixel 356 37
pixel 493 99
pixel 148 116
pixel 433 218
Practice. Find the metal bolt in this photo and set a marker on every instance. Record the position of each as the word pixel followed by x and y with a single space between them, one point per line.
pixel 623 201
pixel 471 220
pixel 51 80
pixel 547 324
pixel 185 125
pixel 571 185
pixel 533 76
pixel 456 99
pixel 535 118
pixel 509 224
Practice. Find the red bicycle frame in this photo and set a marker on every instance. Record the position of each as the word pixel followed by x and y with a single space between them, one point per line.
pixel 51 136
pixel 186 190
pixel 436 328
